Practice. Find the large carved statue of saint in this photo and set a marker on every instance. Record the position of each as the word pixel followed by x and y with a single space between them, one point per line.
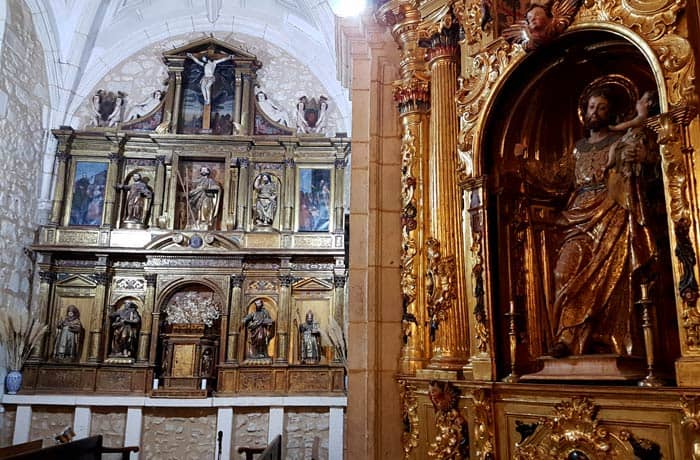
pixel 203 201
pixel 126 323
pixel 608 246
pixel 69 333
pixel 138 198
pixel 261 329
pixel 265 200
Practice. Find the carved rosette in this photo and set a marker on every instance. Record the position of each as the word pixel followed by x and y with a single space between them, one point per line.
pixel 409 414
pixel 452 438
pixel 484 438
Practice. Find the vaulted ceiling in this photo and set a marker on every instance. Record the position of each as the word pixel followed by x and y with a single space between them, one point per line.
pixel 84 39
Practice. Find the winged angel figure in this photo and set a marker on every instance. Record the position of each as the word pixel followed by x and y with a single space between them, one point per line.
pixel 544 21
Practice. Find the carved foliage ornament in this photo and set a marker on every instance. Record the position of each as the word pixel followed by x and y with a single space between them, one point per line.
pixel 409 413
pixel 483 426
pixel 440 285
pixel 573 432
pixel 452 438
pixel 409 210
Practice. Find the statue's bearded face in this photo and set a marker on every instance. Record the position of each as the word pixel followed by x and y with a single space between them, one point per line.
pixel 597 113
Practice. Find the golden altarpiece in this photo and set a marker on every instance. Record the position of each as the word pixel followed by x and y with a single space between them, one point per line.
pixel 187 247
pixel 550 228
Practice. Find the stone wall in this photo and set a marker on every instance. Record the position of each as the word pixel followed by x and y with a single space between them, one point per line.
pixel 110 422
pixel 47 422
pixel 182 434
pixel 249 429
pixel 283 78
pixel 7 425
pixel 23 100
pixel 306 434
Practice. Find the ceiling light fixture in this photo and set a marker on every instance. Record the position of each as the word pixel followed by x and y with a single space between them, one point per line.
pixel 347 8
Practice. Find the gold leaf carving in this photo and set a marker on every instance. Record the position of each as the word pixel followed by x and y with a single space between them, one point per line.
pixel 409 413
pixel 649 18
pixel 452 438
pixel 483 426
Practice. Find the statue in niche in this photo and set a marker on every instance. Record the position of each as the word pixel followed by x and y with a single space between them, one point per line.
pixel 69 333
pixel 261 329
pixel 203 201
pixel 310 340
pixel 140 109
pixel 544 21
pixel 205 368
pixel 208 79
pixel 312 115
pixel 138 198
pixel 125 323
pixel 608 244
pixel 107 108
pixel 269 108
pixel 265 200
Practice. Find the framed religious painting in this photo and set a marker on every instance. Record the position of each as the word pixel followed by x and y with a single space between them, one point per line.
pixel 314 200
pixel 88 193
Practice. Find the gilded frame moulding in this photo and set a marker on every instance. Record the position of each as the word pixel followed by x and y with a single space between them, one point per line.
pixel 573 431
pixel 411 421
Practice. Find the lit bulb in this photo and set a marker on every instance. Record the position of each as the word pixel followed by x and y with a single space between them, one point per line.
pixel 346 8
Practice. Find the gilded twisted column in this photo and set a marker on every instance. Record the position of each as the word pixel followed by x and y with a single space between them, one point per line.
pixel 412 94
pixel 447 293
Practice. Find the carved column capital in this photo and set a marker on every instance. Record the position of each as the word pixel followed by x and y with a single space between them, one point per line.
pixel 151 279
pixel 339 281
pixel 412 95
pixel 47 277
pixel 160 159
pixel 442 39
pixel 243 162
pixel 62 155
pixel 339 163
pixel 290 163
pixel 286 280
pixel 237 281
pixel 101 278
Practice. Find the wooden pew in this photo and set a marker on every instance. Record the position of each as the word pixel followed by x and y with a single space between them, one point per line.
pixel 83 449
pixel 9 451
pixel 273 451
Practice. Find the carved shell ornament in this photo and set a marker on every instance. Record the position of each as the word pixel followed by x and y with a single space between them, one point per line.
pixel 544 21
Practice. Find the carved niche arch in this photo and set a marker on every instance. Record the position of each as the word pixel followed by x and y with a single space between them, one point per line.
pixel 532 115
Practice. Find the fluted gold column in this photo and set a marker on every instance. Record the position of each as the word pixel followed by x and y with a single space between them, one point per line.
pixel 115 154
pixel 412 94
pixel 147 315
pixel 287 221
pixel 450 326
pixel 234 319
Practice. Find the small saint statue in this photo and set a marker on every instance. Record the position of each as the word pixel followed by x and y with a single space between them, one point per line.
pixel 138 196
pixel 310 340
pixel 126 323
pixel 69 332
pixel 208 79
pixel 261 329
pixel 203 201
pixel 265 201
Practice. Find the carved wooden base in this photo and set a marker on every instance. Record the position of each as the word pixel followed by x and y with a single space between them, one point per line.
pixel 281 380
pixel 589 368
pixel 86 379
pixel 551 421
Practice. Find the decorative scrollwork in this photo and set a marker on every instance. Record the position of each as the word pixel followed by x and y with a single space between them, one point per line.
pixel 470 14
pixel 574 432
pixel 452 438
pixel 483 426
pixel 440 285
pixel 409 413
pixel 487 68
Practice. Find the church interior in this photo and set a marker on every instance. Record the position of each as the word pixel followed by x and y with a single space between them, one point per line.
pixel 462 229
